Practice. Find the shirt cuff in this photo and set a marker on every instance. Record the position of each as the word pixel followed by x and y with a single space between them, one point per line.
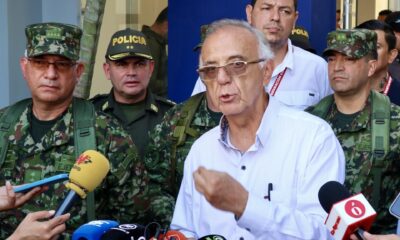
pixel 255 214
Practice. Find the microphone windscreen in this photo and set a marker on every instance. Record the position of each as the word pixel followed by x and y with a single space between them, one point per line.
pixel 125 232
pixel 93 230
pixel 212 237
pixel 331 193
pixel 88 171
pixel 172 235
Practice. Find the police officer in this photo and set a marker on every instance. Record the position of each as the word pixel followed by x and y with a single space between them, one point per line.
pixel 129 65
pixel 365 122
pixel 42 136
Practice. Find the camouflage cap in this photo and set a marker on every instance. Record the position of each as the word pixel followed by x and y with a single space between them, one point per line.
pixel 128 43
pixel 203 31
pixel 355 43
pixel 53 38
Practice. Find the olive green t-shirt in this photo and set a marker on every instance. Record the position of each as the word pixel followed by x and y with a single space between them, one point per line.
pixel 341 120
pixel 39 128
pixel 132 111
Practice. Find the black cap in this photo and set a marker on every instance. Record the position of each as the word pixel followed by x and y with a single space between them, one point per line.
pixel 128 43
pixel 393 20
pixel 300 38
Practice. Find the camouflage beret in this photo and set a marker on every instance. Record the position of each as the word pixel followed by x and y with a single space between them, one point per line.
pixel 128 43
pixel 53 38
pixel 355 43
pixel 203 31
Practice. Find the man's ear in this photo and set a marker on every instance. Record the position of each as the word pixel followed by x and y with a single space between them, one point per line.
pixel 249 11
pixel 392 55
pixel 268 69
pixel 106 69
pixel 23 63
pixel 80 67
pixel 372 67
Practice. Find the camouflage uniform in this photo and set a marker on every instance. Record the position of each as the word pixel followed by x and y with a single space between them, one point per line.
pixel 155 108
pixel 354 134
pixel 159 157
pixel 355 139
pixel 121 196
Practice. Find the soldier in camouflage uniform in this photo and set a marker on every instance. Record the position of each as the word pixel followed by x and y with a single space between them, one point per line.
pixel 41 142
pixel 351 58
pixel 170 142
pixel 129 65
pixel 157 38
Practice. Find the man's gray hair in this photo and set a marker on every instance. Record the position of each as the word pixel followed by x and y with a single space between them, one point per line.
pixel 263 46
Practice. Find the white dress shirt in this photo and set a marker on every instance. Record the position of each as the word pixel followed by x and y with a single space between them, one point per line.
pixel 293 150
pixel 304 83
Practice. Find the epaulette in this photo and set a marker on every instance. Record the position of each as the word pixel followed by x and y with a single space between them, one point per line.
pixel 100 99
pixel 164 100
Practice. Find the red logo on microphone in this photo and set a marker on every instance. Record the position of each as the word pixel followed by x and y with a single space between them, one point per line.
pixel 83 159
pixel 354 208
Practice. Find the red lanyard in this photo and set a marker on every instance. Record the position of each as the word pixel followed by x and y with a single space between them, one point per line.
pixel 277 82
pixel 387 85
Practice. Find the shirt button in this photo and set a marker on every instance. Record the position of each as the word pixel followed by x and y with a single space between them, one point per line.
pixel 243 167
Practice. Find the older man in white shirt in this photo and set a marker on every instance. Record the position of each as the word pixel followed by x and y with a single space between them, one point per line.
pixel 257 174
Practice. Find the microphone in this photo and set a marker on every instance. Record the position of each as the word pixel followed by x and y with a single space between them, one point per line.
pixel 172 235
pixel 88 172
pixel 347 214
pixel 394 208
pixel 212 237
pixel 125 232
pixel 93 230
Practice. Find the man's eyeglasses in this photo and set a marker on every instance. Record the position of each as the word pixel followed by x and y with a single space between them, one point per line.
pixel 236 68
pixel 42 64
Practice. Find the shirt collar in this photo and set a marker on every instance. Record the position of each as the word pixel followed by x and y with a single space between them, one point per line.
pixel 264 130
pixel 150 102
pixel 288 61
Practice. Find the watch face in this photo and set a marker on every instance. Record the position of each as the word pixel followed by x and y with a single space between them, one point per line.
pixel 395 207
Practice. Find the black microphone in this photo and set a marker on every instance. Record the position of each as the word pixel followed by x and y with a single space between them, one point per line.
pixel 212 237
pixel 347 214
pixel 87 173
pixel 125 232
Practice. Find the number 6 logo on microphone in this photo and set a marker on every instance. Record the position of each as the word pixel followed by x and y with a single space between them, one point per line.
pixel 355 208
